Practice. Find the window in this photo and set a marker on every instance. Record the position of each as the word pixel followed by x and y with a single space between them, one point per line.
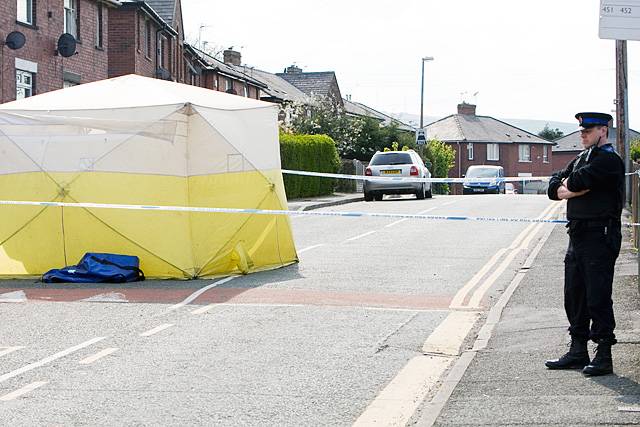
pixel 24 84
pixel 25 11
pixel 68 83
pixel 545 154
pixel 246 91
pixel 228 85
pixel 162 46
pixel 524 152
pixel 147 31
pixel 99 29
pixel 71 17
pixel 493 152
pixel 470 151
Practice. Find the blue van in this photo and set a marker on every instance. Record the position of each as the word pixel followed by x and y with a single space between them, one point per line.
pixel 492 185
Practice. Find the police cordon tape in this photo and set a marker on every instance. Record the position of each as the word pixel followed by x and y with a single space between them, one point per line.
pixel 410 179
pixel 286 212
pixel 434 180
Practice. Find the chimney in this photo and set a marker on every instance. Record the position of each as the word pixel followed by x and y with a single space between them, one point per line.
pixel 293 69
pixel 467 109
pixel 232 57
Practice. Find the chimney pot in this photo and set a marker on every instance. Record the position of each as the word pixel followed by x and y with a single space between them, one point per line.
pixel 293 69
pixel 467 109
pixel 232 57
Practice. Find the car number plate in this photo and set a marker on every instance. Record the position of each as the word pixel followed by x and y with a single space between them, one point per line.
pixel 391 172
pixel 478 190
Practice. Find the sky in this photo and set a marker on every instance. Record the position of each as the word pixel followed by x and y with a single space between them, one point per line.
pixel 539 59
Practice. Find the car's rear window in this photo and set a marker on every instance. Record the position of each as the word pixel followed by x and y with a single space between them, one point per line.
pixel 482 173
pixel 391 159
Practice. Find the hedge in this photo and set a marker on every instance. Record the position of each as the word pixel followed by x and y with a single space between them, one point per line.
pixel 315 153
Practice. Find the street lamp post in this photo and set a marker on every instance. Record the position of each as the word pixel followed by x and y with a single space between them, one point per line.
pixel 426 58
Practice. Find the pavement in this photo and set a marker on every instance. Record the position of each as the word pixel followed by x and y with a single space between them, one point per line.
pixel 506 383
pixel 336 199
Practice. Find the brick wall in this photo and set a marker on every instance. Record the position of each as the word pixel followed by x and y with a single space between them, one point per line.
pixel 89 64
pixel 562 158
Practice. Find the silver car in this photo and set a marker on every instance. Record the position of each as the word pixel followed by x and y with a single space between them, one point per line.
pixel 396 164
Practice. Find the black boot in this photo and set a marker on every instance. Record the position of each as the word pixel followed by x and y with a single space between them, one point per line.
pixel 576 358
pixel 602 363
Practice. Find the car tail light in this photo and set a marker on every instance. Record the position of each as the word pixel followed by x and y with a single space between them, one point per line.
pixel 414 171
pixel 367 172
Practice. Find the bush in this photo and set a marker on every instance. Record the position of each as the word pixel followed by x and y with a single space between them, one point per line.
pixel 314 153
pixel 635 150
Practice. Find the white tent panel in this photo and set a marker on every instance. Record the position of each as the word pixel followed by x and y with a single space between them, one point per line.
pixel 253 133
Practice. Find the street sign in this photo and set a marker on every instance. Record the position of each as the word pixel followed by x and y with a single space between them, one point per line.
pixel 620 19
pixel 420 137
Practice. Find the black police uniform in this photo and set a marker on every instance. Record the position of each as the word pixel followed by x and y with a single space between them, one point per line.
pixel 594 239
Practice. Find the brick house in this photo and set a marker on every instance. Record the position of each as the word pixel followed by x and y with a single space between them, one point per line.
pixel 317 84
pixel 569 146
pixel 37 67
pixel 484 140
pixel 147 38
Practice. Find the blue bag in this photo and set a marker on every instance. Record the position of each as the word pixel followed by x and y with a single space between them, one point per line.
pixel 98 268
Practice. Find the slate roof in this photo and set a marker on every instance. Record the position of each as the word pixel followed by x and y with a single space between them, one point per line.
pixel 359 109
pixel 571 142
pixel 482 129
pixel 165 8
pixel 277 87
pixel 318 83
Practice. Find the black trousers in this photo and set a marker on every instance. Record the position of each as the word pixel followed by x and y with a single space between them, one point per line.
pixel 588 279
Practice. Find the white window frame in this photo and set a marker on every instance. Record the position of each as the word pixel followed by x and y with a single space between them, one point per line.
pixel 71 17
pixel 24 83
pixel 470 151
pixel 246 90
pixel 228 84
pixel 524 153
pixel 24 11
pixel 545 154
pixel 493 152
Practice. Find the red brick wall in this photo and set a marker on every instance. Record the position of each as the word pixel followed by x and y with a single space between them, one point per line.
pixel 122 42
pixel 562 158
pixel 509 160
pixel 90 62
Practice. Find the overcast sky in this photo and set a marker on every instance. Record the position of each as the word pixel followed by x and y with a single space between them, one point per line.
pixel 537 59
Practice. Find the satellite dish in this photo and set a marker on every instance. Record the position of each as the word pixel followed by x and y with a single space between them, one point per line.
pixel 66 45
pixel 15 40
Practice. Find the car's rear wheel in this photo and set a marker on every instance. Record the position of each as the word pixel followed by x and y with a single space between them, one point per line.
pixel 421 193
pixel 368 197
pixel 378 197
pixel 429 194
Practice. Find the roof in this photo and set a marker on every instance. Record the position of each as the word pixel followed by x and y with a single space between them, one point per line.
pixel 276 87
pixel 132 91
pixel 362 110
pixel 153 13
pixel 165 8
pixel 572 142
pixel 318 83
pixel 482 129
pixel 214 64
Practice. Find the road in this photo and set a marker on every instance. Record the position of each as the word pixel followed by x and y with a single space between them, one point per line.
pixel 360 331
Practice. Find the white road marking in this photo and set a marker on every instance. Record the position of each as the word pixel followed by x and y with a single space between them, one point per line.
pixel 207 308
pixel 448 337
pixel 110 297
pixel 22 391
pixel 449 203
pixel 360 236
pixel 397 402
pixel 458 300
pixel 156 330
pixel 7 350
pixel 13 297
pixel 309 248
pixel 629 408
pixel 199 292
pixel 49 359
pixel 432 409
pixel 419 213
pixel 97 356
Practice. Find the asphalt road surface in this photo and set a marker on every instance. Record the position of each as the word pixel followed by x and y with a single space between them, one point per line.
pixel 360 331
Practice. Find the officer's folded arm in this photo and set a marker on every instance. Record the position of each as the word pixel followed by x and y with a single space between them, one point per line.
pixel 600 171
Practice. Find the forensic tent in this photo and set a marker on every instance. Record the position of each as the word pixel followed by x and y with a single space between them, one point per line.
pixel 138 141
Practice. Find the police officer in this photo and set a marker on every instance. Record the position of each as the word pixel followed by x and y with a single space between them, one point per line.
pixel 593 185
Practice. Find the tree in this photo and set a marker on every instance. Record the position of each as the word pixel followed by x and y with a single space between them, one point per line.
pixel 635 150
pixel 550 134
pixel 442 157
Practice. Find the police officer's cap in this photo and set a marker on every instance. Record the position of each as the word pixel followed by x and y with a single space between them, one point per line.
pixel 589 120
